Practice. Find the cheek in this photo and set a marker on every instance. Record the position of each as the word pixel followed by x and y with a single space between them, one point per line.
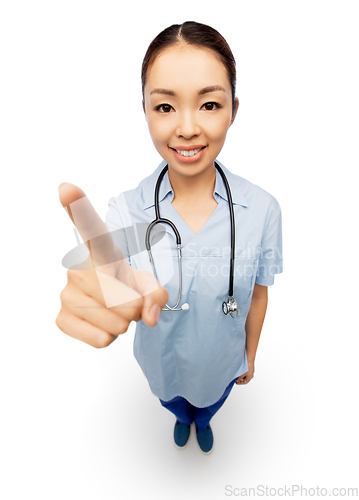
pixel 159 130
pixel 217 131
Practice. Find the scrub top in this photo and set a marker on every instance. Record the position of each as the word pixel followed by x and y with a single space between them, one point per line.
pixel 196 353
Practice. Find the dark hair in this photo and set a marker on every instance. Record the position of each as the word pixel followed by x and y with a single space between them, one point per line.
pixel 191 33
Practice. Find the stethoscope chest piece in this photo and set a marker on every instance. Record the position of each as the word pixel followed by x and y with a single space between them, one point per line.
pixel 230 307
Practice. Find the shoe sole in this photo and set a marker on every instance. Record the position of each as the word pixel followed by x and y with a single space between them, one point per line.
pixel 206 452
pixel 180 447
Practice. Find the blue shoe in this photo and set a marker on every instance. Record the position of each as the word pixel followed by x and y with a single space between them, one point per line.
pixel 181 434
pixel 205 439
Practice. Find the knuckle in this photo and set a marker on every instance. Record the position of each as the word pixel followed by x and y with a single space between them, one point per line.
pixel 58 320
pixel 77 275
pixel 64 295
pixel 121 328
pixel 128 310
pixel 67 295
pixel 70 275
pixel 102 340
pixel 135 309
pixel 62 321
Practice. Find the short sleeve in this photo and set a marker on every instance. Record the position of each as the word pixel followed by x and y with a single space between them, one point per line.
pixel 271 256
pixel 115 225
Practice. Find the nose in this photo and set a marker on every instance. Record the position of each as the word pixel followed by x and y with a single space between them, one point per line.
pixel 187 126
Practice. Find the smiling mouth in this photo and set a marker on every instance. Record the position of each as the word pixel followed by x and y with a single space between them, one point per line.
pixel 191 152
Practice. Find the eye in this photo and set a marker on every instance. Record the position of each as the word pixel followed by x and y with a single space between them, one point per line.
pixel 163 108
pixel 211 106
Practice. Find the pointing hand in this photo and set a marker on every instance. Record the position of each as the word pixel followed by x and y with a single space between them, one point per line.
pixel 99 303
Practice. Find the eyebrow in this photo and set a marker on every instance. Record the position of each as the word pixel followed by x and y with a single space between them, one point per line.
pixel 206 90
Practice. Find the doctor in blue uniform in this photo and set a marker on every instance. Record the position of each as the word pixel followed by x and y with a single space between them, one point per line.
pixel 193 356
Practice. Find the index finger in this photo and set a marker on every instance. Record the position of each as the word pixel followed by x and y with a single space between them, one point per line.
pixel 91 227
pixel 116 277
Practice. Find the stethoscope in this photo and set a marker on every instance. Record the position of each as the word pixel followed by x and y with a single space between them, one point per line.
pixel 230 307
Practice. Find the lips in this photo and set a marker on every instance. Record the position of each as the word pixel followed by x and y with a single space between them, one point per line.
pixel 189 154
pixel 188 147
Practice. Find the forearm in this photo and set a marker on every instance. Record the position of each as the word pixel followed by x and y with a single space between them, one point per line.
pixel 255 321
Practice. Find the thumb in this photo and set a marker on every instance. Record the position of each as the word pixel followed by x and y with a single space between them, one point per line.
pixel 151 312
pixel 153 294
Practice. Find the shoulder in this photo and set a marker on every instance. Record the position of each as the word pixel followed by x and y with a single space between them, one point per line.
pixel 139 197
pixel 256 199
pixel 257 196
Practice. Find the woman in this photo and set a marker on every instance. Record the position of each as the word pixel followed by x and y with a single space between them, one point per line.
pixel 193 356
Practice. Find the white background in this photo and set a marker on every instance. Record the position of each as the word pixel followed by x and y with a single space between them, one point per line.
pixel 81 423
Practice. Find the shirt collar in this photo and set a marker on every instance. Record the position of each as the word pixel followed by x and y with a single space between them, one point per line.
pixel 234 182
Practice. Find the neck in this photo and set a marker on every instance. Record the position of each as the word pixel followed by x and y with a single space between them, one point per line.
pixel 191 188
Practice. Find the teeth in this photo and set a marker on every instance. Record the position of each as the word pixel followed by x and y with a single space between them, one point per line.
pixel 188 153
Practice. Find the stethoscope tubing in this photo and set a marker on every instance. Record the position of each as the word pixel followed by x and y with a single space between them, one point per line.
pixel 159 220
pixel 230 204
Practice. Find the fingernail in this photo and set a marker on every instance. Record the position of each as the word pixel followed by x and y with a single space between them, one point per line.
pixel 155 312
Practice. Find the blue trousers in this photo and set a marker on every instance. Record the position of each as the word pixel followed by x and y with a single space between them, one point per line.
pixel 187 413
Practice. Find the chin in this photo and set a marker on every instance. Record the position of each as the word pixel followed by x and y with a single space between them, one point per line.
pixel 190 170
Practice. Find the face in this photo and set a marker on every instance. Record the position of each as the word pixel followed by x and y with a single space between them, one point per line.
pixel 188 107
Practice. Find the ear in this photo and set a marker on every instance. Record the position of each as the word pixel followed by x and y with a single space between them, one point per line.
pixel 235 111
pixel 144 108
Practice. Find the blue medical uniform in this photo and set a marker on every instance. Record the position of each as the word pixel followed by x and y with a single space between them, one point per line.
pixel 195 354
